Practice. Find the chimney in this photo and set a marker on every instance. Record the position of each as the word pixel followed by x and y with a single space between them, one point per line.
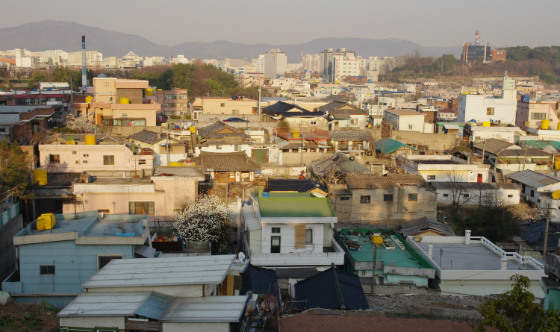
pixel 84 69
pixel 430 247
pixel 504 263
pixel 467 237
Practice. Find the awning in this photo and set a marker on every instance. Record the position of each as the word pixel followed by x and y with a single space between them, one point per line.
pixel 145 251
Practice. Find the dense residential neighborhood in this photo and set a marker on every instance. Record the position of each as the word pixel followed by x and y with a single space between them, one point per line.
pixel 176 193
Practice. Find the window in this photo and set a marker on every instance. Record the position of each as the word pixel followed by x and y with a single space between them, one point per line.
pixel 510 196
pixel 490 111
pixel 445 195
pixel 410 127
pixel 54 158
pixel 108 160
pixel 77 162
pixel 73 152
pixel 106 84
pixel 237 147
pixel 308 236
pixel 141 208
pixel 412 197
pixel 47 269
pixel 431 177
pixel 103 260
pixel 313 123
pixel 86 155
pixel 234 111
pixel 218 147
pixel 365 199
pixel 222 105
pixel 388 198
pixel 466 195
pixel 275 244
pixel 276 230
pixel 477 138
pixel 354 121
pixel 538 116
pixel 142 162
pixel 532 193
pixel 344 198
pixel 103 210
pixel 84 161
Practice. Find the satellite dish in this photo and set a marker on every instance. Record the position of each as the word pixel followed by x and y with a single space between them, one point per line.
pixel 241 256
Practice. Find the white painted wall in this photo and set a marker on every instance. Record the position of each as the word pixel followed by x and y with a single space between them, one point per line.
pixel 476 106
pixel 506 196
pixel 92 322
pixel 484 133
pixel 224 149
pixel 288 238
pixel 403 122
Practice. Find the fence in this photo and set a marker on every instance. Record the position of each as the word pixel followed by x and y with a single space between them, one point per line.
pixel 10 213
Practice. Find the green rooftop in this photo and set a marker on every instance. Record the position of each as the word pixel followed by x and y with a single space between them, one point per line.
pixel 390 257
pixel 289 205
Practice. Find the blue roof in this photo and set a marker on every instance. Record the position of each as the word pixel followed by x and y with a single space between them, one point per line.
pixel 388 145
pixel 534 235
pixel 332 289
pixel 259 280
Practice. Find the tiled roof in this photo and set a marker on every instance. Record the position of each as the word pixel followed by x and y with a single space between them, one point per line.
pixel 280 107
pixel 146 136
pixel 340 114
pixel 493 146
pixel 350 135
pixel 333 289
pixel 533 179
pixel 226 162
pixel 423 224
pixel 522 153
pixel 534 234
pixel 217 129
pixel 383 182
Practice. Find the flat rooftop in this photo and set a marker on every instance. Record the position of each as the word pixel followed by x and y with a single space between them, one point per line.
pixel 294 205
pixel 475 256
pixel 406 257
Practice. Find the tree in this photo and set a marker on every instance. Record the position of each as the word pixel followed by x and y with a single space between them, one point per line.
pixel 79 125
pixel 14 172
pixel 515 310
pixel 205 220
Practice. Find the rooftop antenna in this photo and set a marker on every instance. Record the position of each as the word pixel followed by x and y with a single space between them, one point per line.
pixel 477 37
pixel 84 70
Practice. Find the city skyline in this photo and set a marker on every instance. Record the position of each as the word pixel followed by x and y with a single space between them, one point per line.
pixel 434 23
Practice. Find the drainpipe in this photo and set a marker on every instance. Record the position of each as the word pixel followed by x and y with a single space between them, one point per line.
pixel 430 247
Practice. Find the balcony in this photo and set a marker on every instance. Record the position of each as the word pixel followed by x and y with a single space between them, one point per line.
pixel 330 255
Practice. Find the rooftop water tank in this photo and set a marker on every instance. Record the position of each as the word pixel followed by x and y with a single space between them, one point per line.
pixel 90 139
pixel 486 124
pixel 46 221
pixel 40 176
pixel 89 99
pixel 124 100
pixel 545 124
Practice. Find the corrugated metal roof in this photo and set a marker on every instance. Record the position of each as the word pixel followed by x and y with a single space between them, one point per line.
pixel 250 218
pixel 226 309
pixel 388 145
pixel 533 179
pixel 104 304
pixel 452 127
pixel 173 271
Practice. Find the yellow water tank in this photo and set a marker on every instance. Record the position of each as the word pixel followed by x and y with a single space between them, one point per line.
pixel 545 124
pixel 558 126
pixel 175 164
pixel 124 100
pixel 295 133
pixel 192 129
pixel 90 139
pixel 377 239
pixel 89 99
pixel 149 92
pixel 556 194
pixel 46 221
pixel 557 164
pixel 486 124
pixel 40 175
pixel 71 142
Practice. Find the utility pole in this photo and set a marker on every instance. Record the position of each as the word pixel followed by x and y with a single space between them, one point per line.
pixel 525 161
pixel 374 264
pixel 546 232
pixel 483 151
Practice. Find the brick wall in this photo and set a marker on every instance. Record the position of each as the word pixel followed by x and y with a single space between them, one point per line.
pixel 135 95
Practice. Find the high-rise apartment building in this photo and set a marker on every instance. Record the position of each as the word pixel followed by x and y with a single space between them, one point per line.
pixel 310 62
pixel 328 63
pixel 275 63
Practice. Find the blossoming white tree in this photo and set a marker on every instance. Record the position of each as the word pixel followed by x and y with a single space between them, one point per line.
pixel 80 124
pixel 205 220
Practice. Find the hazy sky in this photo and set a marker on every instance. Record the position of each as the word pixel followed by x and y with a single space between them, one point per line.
pixel 425 22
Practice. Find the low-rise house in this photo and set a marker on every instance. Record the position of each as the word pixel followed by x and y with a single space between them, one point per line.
pixel 531 115
pixel 158 196
pixel 388 146
pixel 53 263
pixel 356 141
pixel 227 167
pixel 482 108
pixel 447 114
pixel 469 265
pixel 478 134
pixel 513 158
pixel 223 105
pixel 19 123
pixel 71 154
pixel 173 102
pixel 296 116
pixel 538 188
pixel 397 264
pixel 374 198
pixel 445 168
pixel 407 120
pixel 425 227
pixel 290 229
pixel 476 194
pixel 165 149
pixel 344 115
pixel 334 168
pixel 332 289
pixel 550 284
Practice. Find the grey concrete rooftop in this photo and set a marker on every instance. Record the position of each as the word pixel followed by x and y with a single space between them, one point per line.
pixel 475 256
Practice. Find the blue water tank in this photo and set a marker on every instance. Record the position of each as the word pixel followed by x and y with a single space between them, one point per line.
pixel 101 75
pixel 525 98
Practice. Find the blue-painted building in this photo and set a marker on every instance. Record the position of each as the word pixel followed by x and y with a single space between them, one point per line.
pixel 53 264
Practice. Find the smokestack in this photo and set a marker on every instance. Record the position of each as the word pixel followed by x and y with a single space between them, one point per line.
pixel 84 70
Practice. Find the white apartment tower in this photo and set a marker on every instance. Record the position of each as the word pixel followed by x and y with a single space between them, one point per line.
pixel 275 63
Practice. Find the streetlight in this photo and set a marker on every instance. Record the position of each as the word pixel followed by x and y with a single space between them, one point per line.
pixel 222 93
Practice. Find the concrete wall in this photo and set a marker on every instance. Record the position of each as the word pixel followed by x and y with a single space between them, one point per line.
pixel 93 322
pixel 7 249
pixel 294 158
pixel 433 141
pixel 127 131
pixel 274 171
pixel 288 238
pixel 196 327
pixel 484 133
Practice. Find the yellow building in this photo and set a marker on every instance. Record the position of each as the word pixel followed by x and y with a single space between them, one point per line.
pixel 219 105
pixel 119 102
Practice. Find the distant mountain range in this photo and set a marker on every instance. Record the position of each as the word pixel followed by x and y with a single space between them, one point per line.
pixel 51 35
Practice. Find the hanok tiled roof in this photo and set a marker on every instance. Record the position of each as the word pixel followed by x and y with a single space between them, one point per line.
pixel 146 136
pixel 423 224
pixel 226 162
pixel 340 104
pixel 494 146
pixel 383 182
pixel 222 130
pixel 281 107
pixel 350 135
pixel 340 114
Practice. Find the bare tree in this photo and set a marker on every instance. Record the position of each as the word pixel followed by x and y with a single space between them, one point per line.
pixel 460 194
